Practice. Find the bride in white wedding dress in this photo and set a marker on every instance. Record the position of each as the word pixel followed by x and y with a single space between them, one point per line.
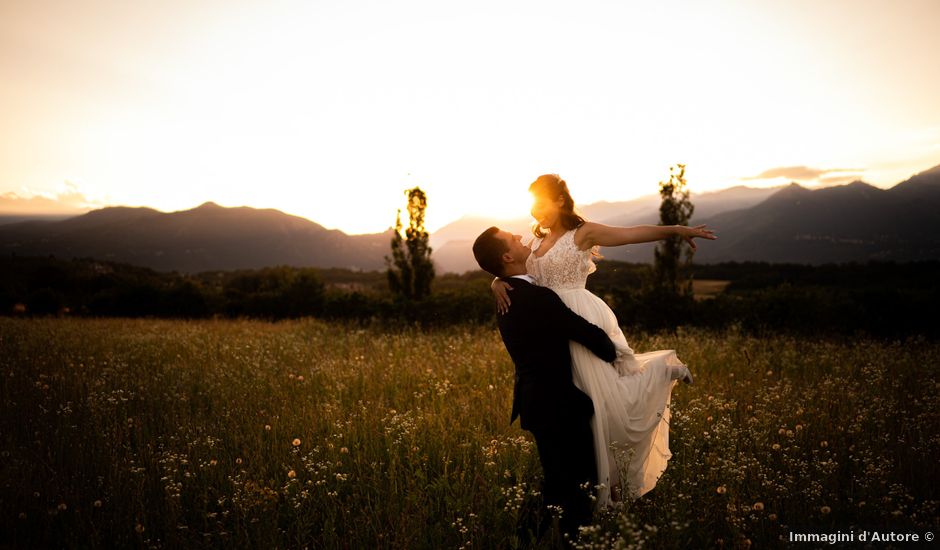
pixel 631 404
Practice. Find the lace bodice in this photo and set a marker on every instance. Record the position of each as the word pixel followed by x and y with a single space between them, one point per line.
pixel 563 266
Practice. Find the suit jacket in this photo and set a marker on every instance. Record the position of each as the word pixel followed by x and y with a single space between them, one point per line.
pixel 536 331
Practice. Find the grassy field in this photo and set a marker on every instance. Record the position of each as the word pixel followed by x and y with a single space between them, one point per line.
pixel 131 432
pixel 704 289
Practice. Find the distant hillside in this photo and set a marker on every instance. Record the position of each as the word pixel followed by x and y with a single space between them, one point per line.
pixel 851 222
pixel 793 224
pixel 706 205
pixel 467 228
pixel 15 218
pixel 209 237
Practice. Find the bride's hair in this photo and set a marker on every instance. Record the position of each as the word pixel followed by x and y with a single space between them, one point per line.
pixel 551 186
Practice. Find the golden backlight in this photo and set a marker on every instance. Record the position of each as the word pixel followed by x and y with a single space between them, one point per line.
pixel 329 110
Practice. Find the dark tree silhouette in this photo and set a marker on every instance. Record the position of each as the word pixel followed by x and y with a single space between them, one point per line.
pixel 410 270
pixel 675 209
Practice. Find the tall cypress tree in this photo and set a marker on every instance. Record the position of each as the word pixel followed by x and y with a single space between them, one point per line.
pixel 675 209
pixel 410 270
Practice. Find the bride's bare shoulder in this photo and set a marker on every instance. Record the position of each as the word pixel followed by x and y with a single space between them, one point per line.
pixel 584 235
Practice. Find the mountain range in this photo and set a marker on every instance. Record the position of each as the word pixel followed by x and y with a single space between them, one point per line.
pixel 852 222
pixel 208 237
pixel 791 223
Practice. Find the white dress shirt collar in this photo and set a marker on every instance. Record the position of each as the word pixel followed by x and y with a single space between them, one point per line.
pixel 524 277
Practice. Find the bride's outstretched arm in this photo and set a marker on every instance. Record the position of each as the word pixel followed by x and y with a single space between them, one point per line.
pixel 591 234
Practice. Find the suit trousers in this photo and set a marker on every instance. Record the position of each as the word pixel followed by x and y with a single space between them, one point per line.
pixel 566 452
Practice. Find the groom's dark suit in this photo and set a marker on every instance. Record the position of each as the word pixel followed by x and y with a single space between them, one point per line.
pixel 536 331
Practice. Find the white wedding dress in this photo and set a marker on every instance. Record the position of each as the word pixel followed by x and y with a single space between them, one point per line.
pixel 631 420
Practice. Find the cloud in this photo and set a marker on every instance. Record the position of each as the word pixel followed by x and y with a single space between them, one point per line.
pixel 805 173
pixel 68 201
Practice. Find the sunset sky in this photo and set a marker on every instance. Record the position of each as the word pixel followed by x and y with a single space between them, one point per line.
pixel 330 109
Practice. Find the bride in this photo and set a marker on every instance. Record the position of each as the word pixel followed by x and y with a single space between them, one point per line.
pixel 631 403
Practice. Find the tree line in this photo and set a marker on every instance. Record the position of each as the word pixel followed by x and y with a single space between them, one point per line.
pixel 878 298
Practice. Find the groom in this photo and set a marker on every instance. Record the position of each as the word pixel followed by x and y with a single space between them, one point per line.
pixel 536 331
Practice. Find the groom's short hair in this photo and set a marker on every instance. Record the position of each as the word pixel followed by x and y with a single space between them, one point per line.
pixel 488 251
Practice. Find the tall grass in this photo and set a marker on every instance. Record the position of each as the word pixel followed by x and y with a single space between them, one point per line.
pixel 157 433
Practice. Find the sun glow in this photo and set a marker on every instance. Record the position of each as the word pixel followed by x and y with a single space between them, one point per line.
pixel 329 110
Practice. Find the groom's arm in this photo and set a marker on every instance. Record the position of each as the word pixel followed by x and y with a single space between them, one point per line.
pixel 577 328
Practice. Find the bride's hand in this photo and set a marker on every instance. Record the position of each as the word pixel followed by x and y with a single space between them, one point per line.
pixel 626 362
pixel 688 233
pixel 501 291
